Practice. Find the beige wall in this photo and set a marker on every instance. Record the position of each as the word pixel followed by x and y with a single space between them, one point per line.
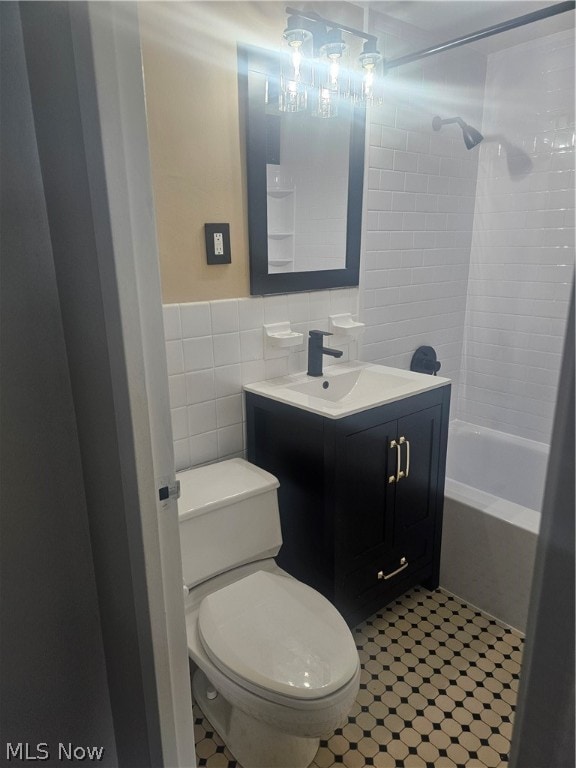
pixel 190 73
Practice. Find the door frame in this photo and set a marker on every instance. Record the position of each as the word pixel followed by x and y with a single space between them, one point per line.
pixel 85 74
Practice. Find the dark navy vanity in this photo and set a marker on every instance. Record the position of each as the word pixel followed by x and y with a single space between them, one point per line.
pixel 360 496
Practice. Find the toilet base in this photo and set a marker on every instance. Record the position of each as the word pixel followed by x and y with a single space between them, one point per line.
pixel 253 743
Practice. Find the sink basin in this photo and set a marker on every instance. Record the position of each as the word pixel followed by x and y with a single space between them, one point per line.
pixel 338 385
pixel 346 388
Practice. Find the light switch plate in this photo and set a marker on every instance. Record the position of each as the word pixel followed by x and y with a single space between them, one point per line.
pixel 217 243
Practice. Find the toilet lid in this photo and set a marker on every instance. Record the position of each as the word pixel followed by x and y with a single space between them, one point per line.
pixel 278 634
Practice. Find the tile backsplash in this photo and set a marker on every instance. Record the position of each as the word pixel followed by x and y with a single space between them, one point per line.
pixel 215 347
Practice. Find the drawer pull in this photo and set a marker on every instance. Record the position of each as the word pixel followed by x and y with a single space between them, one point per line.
pixel 403 564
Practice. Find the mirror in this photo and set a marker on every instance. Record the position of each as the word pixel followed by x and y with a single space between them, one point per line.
pixel 305 180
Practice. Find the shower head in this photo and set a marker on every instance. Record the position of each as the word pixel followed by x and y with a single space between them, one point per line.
pixel 471 136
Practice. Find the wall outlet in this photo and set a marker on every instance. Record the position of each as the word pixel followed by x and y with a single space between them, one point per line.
pixel 217 238
pixel 218 244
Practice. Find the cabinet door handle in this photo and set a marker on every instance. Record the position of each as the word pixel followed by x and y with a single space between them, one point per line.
pixel 403 564
pixel 407 468
pixel 399 471
pixel 393 478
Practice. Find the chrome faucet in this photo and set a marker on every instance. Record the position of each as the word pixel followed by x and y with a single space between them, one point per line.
pixel 316 350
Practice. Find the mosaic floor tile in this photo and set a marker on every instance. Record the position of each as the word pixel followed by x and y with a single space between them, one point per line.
pixel 437 690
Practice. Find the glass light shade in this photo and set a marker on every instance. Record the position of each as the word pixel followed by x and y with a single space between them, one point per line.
pixel 293 96
pixel 326 103
pixel 368 89
pixel 334 71
pixel 295 72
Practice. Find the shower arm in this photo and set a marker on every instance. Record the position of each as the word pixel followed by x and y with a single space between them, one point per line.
pixel 449 120
pixel 496 29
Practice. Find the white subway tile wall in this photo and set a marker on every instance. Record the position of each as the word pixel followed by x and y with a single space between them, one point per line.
pixel 522 257
pixel 419 205
pixel 215 347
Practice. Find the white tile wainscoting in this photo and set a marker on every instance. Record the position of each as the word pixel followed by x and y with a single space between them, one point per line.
pixel 215 347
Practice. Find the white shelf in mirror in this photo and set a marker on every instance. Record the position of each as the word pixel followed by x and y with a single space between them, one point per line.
pixel 279 262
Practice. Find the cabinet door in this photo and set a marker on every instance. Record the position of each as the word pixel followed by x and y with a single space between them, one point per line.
pixel 366 498
pixel 416 494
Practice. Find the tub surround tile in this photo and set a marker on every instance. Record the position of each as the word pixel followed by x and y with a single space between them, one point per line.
pixel 438 687
pixel 519 274
pixel 494 237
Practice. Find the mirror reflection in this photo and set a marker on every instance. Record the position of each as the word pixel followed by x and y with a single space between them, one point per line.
pixel 307 191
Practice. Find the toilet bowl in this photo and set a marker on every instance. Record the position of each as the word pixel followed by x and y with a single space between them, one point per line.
pixel 277 667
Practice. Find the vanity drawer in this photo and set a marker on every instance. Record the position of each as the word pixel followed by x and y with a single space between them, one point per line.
pixel 382 573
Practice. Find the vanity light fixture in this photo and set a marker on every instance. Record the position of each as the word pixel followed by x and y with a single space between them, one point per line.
pixel 316 71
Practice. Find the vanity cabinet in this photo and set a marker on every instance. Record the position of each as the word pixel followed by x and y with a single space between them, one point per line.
pixel 360 497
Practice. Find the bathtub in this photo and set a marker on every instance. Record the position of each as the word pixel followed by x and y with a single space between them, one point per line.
pixel 494 488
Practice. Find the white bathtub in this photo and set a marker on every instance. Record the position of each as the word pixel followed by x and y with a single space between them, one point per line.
pixel 494 488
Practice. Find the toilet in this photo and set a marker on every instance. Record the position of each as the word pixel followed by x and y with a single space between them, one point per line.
pixel 277 666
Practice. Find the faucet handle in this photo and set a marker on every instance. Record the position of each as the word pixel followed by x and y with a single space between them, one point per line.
pixel 319 334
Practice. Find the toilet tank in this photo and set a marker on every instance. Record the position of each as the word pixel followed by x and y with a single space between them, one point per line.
pixel 228 515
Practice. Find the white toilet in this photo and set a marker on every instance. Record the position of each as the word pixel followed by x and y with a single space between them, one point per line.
pixel 277 664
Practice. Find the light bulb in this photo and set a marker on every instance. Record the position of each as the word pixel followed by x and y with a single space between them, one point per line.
pixel 334 71
pixel 370 59
pixel 368 82
pixel 296 59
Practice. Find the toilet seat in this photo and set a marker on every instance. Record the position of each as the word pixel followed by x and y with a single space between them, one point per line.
pixel 279 636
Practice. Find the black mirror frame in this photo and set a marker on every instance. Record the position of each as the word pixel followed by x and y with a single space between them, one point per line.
pixel 252 95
